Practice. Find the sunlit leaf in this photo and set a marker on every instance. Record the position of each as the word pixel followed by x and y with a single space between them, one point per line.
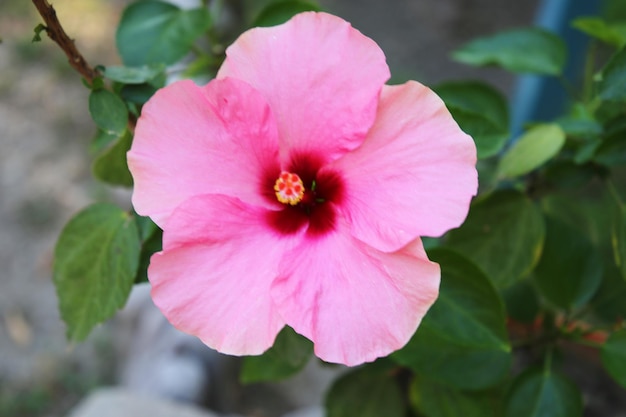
pixel 95 262
pixel 533 149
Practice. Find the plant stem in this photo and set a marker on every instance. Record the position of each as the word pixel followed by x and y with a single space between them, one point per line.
pixel 57 34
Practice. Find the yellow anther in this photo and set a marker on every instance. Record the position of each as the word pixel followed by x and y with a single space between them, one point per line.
pixel 289 188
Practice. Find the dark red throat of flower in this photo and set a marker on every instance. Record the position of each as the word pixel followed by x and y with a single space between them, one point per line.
pixel 310 200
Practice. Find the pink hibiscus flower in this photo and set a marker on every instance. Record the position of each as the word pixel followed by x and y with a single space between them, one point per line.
pixel 293 189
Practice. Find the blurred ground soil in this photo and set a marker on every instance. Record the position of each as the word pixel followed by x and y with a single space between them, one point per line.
pixel 45 132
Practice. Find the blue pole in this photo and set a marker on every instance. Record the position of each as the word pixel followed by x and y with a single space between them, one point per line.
pixel 544 98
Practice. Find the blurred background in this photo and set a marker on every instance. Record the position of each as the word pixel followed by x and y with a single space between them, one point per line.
pixel 45 132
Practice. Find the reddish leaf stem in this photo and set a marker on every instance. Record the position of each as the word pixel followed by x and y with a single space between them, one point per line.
pixel 57 34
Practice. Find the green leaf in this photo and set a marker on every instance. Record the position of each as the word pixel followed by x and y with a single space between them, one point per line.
pixel 436 400
pixel 599 29
pixel 38 29
pixel 152 243
pixel 503 234
pixel 612 151
pixel 533 149
pixel 108 111
pixel 539 393
pixel 570 269
pixel 365 392
pixel 613 355
pixel 101 141
pixel 155 32
pixel 280 12
pixel 608 303
pixel 612 87
pixel 95 261
pixel 481 111
pixel 522 303
pixel 463 330
pixel 288 356
pixel 530 50
pixel 618 232
pixel 133 75
pixel 566 174
pixel 111 166
pixel 138 93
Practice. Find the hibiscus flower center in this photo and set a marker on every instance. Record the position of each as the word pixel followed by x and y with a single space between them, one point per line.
pixel 289 188
pixel 311 197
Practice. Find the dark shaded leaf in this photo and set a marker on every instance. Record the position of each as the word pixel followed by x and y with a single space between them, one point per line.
pixel 543 393
pixel 279 12
pixel 463 331
pixel 530 50
pixel 503 234
pixel 288 356
pixel 365 392
pixel 111 166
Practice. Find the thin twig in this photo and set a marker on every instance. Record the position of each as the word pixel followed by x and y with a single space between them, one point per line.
pixel 57 34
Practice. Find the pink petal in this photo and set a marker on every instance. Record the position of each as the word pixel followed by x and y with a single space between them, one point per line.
pixel 320 76
pixel 192 140
pixel 354 302
pixel 213 277
pixel 413 176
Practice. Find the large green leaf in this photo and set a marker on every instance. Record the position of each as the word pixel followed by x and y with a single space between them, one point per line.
pixel 531 50
pixel 111 166
pixel 613 84
pixel 108 111
pixel 613 355
pixel 281 11
pixel 598 28
pixel 481 111
pixel 570 269
pixel 543 393
pixel 288 356
pixel 437 400
pixel 503 234
pixel 155 32
pixel 532 149
pixel 95 261
pixel 365 392
pixel 462 341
